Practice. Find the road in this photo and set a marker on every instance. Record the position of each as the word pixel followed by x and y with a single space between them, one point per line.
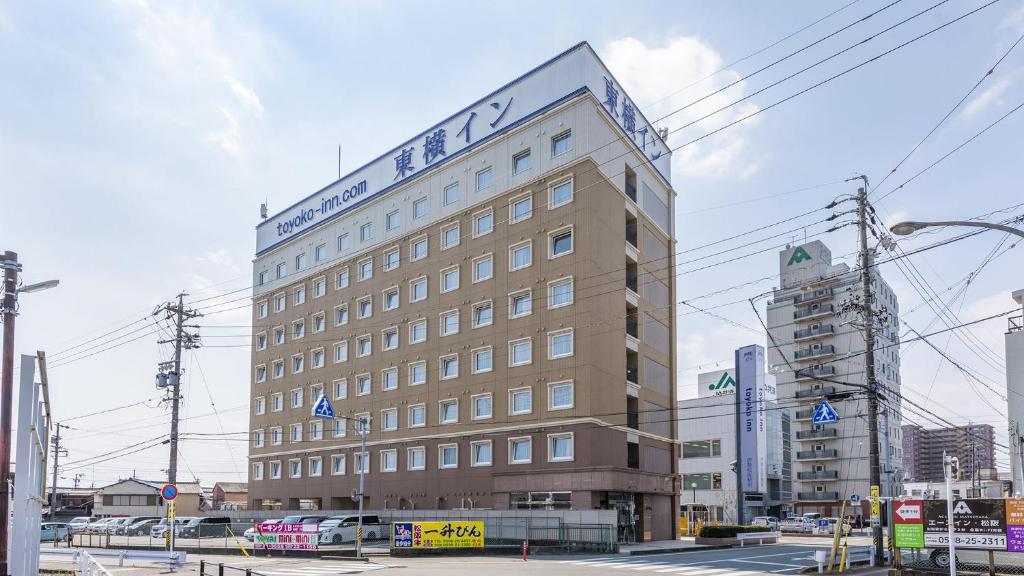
pixel 787 558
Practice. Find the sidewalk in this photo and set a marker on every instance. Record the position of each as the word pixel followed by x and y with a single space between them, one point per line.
pixel 684 544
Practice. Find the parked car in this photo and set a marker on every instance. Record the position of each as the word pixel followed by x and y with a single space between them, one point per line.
pixel 54 532
pixel 205 527
pixel 160 528
pixel 141 527
pixel 80 523
pixel 304 519
pixel 798 524
pixel 250 534
pixel 100 526
pixel 341 529
pixel 769 521
pixel 121 528
pixel 112 526
pixel 831 526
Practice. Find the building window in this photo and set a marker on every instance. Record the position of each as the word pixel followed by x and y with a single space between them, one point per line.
pixel 341 390
pixel 296 433
pixel 388 460
pixel 520 401
pixel 449 279
pixel 416 458
pixel 519 450
pixel 418 331
pixel 257 438
pixel 340 352
pixel 418 289
pixel 341 315
pixel 701 448
pixel 482 406
pixel 319 287
pixel 389 379
pixel 483 223
pixel 560 293
pixel 520 255
pixel 389 419
pixel 343 243
pixel 560 243
pixel 282 270
pixel 481 453
pixel 449 367
pixel 448 456
pixel 449 323
pixel 317 357
pixel 560 447
pixel 264 277
pixel 520 304
pixel 449 411
pixel 275 470
pixel 361 463
pixel 340 428
pixel 417 373
pixel 392 220
pixel 338 465
pixel 261 374
pixel 417 416
pixel 560 344
pixel 276 436
pixel 482 360
pixel 364 346
pixel 319 323
pixel 262 309
pixel 277 402
pixel 418 248
pixel 278 369
pixel 315 466
pixel 561 143
pixel 261 341
pixel 560 395
pixel 300 295
pixel 520 352
pixel 483 268
pixel 704 481
pixel 257 471
pixel 391 260
pixel 520 208
pixel 341 279
pixel 260 405
pixel 483 314
pixel 391 300
pixel 298 329
pixel 298 363
pixel 521 162
pixel 278 335
pixel 419 208
pixel 364 384
pixel 280 301
pixel 364 307
pixel 451 194
pixel 560 194
pixel 320 253
pixel 484 178
pixel 365 268
pixel 316 430
pixel 389 338
pixel 366 232
pixel 450 236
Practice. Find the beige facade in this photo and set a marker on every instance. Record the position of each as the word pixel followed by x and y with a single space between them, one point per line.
pixel 134 497
pixel 512 348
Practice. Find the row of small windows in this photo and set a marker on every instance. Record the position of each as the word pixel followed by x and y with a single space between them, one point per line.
pixel 520 209
pixel 520 304
pixel 561 396
pixel 560 448
pixel 560 344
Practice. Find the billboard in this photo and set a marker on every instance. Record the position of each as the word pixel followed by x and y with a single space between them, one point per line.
pixel 755 395
pixel 982 523
pixel 286 536
pixel 717 383
pixel 436 535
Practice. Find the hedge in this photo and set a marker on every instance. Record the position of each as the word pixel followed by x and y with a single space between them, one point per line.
pixel 729 531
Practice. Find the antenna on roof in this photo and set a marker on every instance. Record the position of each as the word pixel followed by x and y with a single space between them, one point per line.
pixel 663 132
pixel 263 210
pixel 339 161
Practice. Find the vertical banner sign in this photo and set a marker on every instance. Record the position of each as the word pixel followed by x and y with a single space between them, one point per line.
pixel 1014 525
pixel 908 523
pixel 753 421
pixel 875 508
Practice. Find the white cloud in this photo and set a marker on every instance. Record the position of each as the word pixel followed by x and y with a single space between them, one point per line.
pixel 992 96
pixel 246 94
pixel 1015 19
pixel 655 77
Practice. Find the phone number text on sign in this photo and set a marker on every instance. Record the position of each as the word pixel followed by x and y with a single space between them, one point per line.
pixel 987 542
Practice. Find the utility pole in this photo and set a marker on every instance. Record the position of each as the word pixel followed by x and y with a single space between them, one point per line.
pixel 182 341
pixel 11 268
pixel 56 456
pixel 869 362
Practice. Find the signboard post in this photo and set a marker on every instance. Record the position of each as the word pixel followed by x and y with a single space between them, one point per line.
pixel 875 507
pixel 908 524
pixel 437 535
pixel 169 492
pixel 286 537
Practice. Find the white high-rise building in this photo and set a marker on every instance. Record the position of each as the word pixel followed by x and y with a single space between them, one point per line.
pixel 1015 391
pixel 816 349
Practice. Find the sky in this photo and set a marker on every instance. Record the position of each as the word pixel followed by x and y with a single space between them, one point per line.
pixel 138 139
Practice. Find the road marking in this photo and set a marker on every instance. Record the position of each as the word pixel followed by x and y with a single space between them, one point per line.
pixel 770 563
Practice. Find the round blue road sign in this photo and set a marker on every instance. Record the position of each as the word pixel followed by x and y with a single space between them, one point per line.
pixel 169 492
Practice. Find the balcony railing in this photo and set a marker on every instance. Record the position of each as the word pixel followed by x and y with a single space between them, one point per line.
pixel 814 392
pixel 631 233
pixel 1015 324
pixel 823 330
pixel 811 296
pixel 632 325
pixel 828 454
pixel 811 352
pixel 818 475
pixel 805 414
pixel 631 374
pixel 816 434
pixel 808 312
pixel 817 496
pixel 816 372
pixel 631 279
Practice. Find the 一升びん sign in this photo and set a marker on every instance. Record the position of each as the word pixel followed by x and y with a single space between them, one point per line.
pixel 286 536
pixel 437 535
pixel 576 71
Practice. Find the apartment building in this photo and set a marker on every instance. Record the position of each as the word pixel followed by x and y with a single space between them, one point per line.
pixel 972 444
pixel 495 299
pixel 815 349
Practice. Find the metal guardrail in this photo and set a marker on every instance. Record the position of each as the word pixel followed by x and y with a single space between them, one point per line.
pixel 81 556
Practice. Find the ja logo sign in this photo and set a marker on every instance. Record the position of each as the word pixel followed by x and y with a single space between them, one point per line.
pixel 799 255
pixel 724 383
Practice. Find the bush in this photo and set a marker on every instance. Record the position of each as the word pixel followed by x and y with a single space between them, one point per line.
pixel 727 531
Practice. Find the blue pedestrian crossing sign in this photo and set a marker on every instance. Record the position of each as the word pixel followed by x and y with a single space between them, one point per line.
pixel 825 414
pixel 323 408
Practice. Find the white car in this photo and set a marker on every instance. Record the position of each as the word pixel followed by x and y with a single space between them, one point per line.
pixel 340 529
pixel 160 529
pixel 80 523
pixel 250 534
pixel 100 526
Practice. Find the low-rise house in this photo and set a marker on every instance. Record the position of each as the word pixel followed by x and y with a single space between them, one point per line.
pixel 135 497
pixel 230 496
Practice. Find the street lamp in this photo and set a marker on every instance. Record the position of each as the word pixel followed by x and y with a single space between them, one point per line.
pixel 10 289
pixel 904 228
pixel 693 486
